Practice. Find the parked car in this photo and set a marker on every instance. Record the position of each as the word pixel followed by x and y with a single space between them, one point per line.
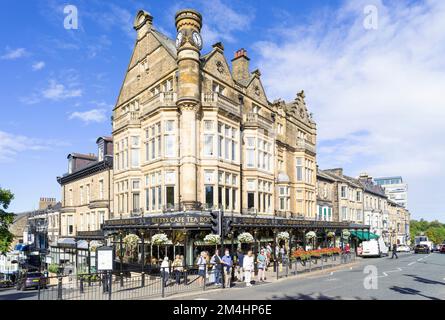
pixel 374 248
pixel 403 248
pixel 442 249
pixel 31 280
pixel 422 248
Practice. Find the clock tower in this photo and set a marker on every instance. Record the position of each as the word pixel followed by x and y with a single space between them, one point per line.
pixel 188 45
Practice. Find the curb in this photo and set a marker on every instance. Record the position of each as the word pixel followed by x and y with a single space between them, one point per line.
pixel 293 277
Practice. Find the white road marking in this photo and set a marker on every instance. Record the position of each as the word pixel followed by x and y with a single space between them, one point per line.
pixel 420 259
pixel 411 263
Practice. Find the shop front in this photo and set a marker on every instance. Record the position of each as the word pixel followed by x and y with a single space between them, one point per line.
pixel 145 241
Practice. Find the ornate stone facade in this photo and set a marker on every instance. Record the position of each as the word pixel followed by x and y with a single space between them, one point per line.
pixel 189 133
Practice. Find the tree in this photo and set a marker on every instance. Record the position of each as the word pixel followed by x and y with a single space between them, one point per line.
pixel 6 219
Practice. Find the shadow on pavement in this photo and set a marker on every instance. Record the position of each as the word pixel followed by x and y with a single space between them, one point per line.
pixel 411 292
pixel 424 280
pixel 16 295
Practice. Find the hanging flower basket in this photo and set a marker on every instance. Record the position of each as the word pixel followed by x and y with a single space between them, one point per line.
pixel 131 241
pixel 331 234
pixel 160 239
pixel 283 235
pixel 212 239
pixel 245 237
pixel 311 235
pixel 346 233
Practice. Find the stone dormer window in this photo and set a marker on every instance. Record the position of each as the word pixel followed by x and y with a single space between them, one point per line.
pixel 101 150
pixel 255 109
pixel 217 88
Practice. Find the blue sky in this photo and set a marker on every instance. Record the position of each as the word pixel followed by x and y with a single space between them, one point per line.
pixel 375 94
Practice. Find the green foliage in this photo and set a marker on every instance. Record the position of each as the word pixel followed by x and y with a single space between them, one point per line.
pixel 6 219
pixel 53 268
pixel 434 230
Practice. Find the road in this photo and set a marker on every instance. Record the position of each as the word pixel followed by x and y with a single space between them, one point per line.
pixel 411 277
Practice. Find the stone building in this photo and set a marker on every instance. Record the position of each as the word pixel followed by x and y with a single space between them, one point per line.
pixel 189 131
pixel 347 196
pixel 399 221
pixel 376 213
pixel 87 190
pixel 194 133
pixel 326 193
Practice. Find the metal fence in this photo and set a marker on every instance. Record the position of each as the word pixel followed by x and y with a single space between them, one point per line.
pixel 164 282
pixel 286 268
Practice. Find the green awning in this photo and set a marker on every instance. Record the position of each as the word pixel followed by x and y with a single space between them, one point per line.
pixel 364 235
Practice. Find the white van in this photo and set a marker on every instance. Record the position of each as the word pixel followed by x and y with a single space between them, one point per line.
pixel 374 248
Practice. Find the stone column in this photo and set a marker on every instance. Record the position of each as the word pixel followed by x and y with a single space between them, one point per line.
pixel 188 25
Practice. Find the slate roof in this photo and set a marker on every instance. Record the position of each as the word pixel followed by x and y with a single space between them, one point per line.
pixel 168 43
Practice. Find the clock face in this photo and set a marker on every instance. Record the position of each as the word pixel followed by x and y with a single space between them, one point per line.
pixel 197 39
pixel 179 39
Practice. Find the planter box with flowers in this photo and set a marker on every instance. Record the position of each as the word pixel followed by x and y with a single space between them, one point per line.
pixel 303 256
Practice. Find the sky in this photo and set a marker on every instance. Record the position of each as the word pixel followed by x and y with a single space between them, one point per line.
pixel 373 73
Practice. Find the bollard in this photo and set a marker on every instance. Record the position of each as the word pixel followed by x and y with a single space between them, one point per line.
pixel 310 264
pixel 38 294
pixel 322 262
pixel 278 270
pixel 143 279
pixel 287 269
pixel 59 289
pixel 122 279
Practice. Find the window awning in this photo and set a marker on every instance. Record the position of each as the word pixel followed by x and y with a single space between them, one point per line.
pixel 364 235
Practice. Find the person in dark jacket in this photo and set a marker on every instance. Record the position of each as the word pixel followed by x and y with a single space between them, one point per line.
pixel 239 266
pixel 394 251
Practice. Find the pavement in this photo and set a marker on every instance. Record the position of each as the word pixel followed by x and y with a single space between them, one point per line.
pixel 411 277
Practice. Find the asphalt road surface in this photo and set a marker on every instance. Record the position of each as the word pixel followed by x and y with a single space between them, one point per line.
pixel 411 277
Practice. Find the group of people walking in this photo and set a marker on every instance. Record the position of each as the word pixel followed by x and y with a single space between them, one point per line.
pixel 218 269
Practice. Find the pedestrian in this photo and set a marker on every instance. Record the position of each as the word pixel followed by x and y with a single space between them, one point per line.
pixel 227 268
pixel 165 270
pixel 239 267
pixel 178 268
pixel 217 267
pixel 261 264
pixel 248 265
pixel 394 251
pixel 202 263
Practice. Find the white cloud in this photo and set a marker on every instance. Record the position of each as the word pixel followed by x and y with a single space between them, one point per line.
pixel 94 115
pixel 13 54
pixel 57 91
pixel 221 21
pixel 11 145
pixel 38 66
pixel 385 84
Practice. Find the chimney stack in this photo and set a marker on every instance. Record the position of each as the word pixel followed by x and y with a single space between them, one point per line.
pixel 143 23
pixel 240 65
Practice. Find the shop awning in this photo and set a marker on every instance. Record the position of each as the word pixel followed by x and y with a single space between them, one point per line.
pixel 364 235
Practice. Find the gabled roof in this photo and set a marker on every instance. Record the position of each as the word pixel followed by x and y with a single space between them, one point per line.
pixel 166 42
pixel 325 176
